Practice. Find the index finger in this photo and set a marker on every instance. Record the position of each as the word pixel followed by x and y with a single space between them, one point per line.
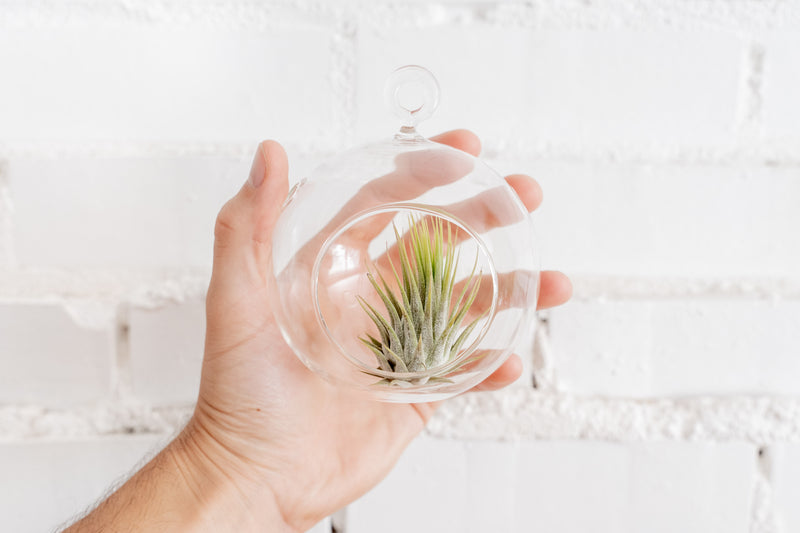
pixel 416 172
pixel 460 139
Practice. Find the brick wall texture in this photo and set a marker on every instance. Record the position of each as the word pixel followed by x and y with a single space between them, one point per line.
pixel 666 137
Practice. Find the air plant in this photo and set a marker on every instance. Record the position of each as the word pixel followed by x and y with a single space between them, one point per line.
pixel 422 328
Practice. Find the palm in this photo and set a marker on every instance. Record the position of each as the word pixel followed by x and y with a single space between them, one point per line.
pixel 283 414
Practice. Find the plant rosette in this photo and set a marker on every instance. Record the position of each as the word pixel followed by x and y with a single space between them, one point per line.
pixel 404 269
pixel 422 327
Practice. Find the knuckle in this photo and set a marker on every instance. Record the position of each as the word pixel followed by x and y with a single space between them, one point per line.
pixel 225 225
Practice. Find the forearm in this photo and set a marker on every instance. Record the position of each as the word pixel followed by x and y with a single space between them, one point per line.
pixel 182 489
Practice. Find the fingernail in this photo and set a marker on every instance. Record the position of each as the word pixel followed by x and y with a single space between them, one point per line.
pixel 258 168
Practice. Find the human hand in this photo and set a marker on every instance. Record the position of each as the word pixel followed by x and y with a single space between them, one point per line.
pixel 287 440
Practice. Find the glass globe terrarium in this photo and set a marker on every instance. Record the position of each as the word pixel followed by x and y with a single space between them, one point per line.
pixel 405 269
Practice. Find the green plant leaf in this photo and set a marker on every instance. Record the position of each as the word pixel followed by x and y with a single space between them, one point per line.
pixel 422 329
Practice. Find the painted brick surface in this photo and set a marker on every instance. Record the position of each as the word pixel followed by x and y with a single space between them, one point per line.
pixel 119 212
pixel 666 220
pixel 598 87
pixel 112 79
pixel 563 486
pixel 322 527
pixel 785 471
pixel 657 348
pixel 166 352
pixel 431 472
pixel 781 85
pixel 658 487
pixel 123 212
pixel 47 358
pixel 48 483
pixel 6 253
pixel 664 136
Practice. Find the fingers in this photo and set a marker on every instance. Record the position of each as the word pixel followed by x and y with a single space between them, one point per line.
pixel 243 230
pixel 515 290
pixel 461 140
pixel 415 173
pixel 505 375
pixel 528 190
pixel 419 171
pixel 483 212
pixel 508 373
pixel 555 288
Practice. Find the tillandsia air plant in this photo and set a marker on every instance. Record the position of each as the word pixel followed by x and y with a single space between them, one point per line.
pixel 422 328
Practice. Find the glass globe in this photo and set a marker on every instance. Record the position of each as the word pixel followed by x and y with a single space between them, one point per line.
pixel 404 269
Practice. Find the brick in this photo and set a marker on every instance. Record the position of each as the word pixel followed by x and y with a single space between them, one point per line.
pixel 655 487
pixel 651 348
pixel 71 477
pixel 119 212
pixel 431 482
pixel 786 485
pixel 562 486
pixel 129 80
pixel 632 219
pixel 48 359
pixel 781 85
pixel 6 258
pixel 47 483
pixel 166 352
pixel 575 87
pixel 123 212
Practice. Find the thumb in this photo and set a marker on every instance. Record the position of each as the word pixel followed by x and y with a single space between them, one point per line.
pixel 243 231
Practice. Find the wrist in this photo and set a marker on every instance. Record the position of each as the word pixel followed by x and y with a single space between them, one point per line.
pixel 222 499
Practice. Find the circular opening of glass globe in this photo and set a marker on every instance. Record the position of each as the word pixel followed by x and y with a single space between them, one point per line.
pixel 411 309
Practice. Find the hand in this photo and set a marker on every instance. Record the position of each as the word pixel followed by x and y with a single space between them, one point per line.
pixel 265 418
pixel 271 445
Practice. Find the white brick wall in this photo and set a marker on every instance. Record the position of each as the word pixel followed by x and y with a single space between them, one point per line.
pixel 562 486
pixel 785 459
pixel 669 220
pixel 688 347
pixel 566 86
pixel 166 350
pixel 120 78
pixel 47 483
pixel 118 212
pixel 47 358
pixel 664 134
pixel 781 83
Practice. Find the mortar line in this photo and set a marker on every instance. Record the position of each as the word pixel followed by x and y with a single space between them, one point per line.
pixel 7 256
pixel 763 518
pixel 750 98
pixel 123 388
pixel 258 16
pixel 343 79
pixel 754 419
pixel 152 288
pixel 539 355
pixel 339 520
pixel 542 14
pixel 751 152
